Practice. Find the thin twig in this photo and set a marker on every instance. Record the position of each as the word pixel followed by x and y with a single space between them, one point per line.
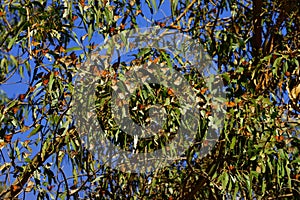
pixel 28 34
pixel 66 182
pixel 184 12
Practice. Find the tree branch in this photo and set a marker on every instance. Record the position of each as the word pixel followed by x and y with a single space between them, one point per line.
pixel 16 188
pixel 258 30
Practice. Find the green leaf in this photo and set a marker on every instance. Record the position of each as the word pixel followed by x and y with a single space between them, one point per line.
pixel 97 179
pixel 236 189
pixel 225 180
pixel 90 32
pixel 174 4
pixel 77 48
pixel 35 130
pixel 10 105
pixel 296 62
pixel 276 65
pixel 12 41
pixel 18 152
pixel 14 60
pixel 240 69
pixel 28 160
pixel 253 158
pixel 153 2
pixel 233 141
pixel 51 80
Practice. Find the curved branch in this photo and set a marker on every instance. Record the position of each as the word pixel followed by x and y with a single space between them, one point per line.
pixel 16 188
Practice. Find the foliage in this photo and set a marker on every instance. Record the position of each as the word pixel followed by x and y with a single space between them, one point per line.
pixel 255 45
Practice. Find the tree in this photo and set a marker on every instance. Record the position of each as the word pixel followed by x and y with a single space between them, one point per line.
pixel 255 46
